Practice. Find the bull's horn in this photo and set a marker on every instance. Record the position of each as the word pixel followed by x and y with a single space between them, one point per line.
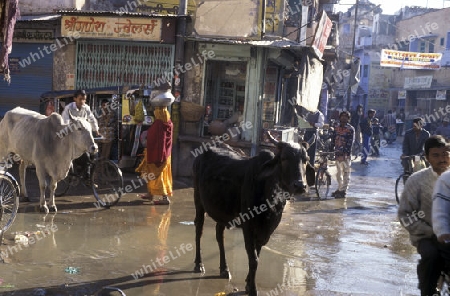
pixel 272 139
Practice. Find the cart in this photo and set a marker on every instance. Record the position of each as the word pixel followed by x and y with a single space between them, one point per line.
pixel 127 146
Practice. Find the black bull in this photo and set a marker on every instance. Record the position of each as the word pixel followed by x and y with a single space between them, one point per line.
pixel 249 193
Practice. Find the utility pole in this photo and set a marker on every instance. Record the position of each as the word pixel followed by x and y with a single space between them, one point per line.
pixel 178 80
pixel 349 90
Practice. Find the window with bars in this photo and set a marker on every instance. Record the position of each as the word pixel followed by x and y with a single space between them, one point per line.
pixel 110 63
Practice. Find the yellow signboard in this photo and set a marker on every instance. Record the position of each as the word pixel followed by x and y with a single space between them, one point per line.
pixel 111 27
pixel 166 6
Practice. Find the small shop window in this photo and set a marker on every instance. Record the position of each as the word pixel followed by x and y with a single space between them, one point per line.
pixel 225 88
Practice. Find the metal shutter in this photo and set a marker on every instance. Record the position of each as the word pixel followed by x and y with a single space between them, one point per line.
pixel 31 75
pixel 110 63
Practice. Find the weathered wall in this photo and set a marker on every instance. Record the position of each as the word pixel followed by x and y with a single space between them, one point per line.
pixel 430 23
pixel 35 7
pixel 232 18
pixel 63 64
pixel 193 89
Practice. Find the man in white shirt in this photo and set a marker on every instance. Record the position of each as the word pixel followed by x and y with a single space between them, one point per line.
pixel 78 108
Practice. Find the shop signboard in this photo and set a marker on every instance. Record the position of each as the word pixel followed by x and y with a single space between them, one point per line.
pixel 148 29
pixel 410 60
pixel 422 82
pixel 321 36
pixel 165 7
pixel 441 95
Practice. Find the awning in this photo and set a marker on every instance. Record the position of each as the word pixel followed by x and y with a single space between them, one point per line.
pixel 279 43
pixel 35 18
pixel 419 89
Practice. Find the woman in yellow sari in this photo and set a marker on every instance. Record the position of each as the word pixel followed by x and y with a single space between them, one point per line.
pixel 157 160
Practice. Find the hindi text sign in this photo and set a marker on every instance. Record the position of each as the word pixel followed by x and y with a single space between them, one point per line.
pixel 321 36
pixel 410 60
pixel 148 29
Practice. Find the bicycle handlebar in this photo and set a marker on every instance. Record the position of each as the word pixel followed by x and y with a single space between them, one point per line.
pixel 96 139
pixel 412 156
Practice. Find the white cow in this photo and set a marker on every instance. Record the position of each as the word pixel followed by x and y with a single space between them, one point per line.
pixel 46 142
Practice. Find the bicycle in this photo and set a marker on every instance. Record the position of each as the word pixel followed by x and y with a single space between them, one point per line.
pixel 105 180
pixel 9 200
pixel 323 176
pixel 401 180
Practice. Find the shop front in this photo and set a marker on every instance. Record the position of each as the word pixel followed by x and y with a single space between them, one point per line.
pixel 106 49
pixel 244 89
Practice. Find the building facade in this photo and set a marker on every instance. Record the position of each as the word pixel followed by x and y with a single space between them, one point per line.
pixel 422 91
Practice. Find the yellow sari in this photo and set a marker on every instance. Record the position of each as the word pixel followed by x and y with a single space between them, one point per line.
pixel 162 183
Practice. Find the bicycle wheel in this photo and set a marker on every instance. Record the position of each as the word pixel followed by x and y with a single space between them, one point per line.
pixel 323 182
pixel 9 200
pixel 107 183
pixel 399 185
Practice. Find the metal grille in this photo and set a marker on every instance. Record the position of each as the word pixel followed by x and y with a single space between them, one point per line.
pixel 110 63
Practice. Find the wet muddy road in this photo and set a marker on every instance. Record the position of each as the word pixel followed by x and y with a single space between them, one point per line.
pixel 354 246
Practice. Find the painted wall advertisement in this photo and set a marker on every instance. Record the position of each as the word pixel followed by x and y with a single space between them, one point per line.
pixel 378 94
pixel 148 29
pixel 410 60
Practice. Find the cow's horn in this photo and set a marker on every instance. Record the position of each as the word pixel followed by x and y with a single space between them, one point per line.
pixel 272 139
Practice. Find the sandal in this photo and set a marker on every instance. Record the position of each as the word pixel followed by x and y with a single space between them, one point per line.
pixel 146 197
pixel 163 201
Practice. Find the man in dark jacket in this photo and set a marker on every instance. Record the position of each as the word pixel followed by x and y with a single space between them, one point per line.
pixel 366 130
pixel 356 118
pixel 414 141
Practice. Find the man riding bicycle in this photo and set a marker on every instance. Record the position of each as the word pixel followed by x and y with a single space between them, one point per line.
pixel 415 213
pixel 413 143
pixel 78 108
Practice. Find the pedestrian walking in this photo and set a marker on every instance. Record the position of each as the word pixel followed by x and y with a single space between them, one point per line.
pixel 367 131
pixel 415 213
pixel 356 118
pixel 157 157
pixel 342 142
pixel 376 137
